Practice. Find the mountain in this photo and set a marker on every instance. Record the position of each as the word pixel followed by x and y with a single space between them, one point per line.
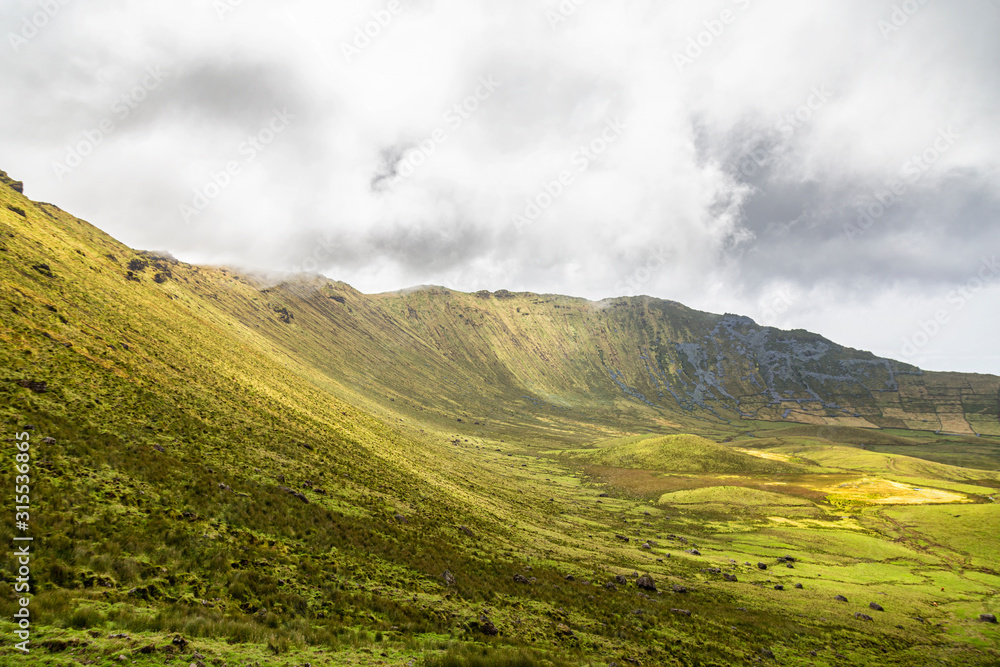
pixel 296 471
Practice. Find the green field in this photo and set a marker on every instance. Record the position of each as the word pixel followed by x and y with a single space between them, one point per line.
pixel 231 472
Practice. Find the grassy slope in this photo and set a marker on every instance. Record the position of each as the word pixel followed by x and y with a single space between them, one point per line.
pixel 248 390
pixel 681 454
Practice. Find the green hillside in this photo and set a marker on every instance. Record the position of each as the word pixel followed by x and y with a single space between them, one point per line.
pixel 228 472
pixel 681 454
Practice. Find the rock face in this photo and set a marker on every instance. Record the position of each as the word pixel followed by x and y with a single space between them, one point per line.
pixel 16 186
pixel 646 582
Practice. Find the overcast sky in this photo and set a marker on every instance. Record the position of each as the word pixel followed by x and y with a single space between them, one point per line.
pixel 822 165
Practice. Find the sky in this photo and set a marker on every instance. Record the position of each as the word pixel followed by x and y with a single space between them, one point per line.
pixel 829 166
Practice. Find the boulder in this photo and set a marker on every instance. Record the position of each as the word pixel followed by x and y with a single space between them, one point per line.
pixel 863 617
pixel 646 583
pixel 761 566
pixel 520 578
pixel 876 606
pixel 988 618
pixel 841 598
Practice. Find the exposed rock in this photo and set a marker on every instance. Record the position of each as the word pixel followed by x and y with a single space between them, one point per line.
pixel 621 579
pixel 841 598
pixel 611 586
pixel 863 617
pixel 876 606
pixel 487 628
pixel 798 585
pixel 400 518
pixel 570 577
pixel 36 386
pixel 677 588
pixel 646 582
pixel 602 495
pixel 622 538
pixel 160 449
pixel 767 653
pixel 646 545
pixel 295 493
pixel 729 577
pixel 48 441
pixel 761 566
pixel 694 552
pixel 449 578
pixel 987 618
pixel 682 612
pixel 467 531
pixel 563 630
pixel 520 578
pixel 779 587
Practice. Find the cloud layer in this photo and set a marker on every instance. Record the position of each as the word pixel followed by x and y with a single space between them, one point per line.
pixel 831 167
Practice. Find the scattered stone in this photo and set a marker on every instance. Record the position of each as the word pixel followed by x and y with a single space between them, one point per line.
pixel 563 630
pixel 160 449
pixel 798 585
pixel 863 617
pixel 840 598
pixel 611 586
pixel 761 566
pixel 602 495
pixel 520 579
pixel 694 552
pixel 570 577
pixel 449 578
pixel 487 628
pixel 48 441
pixel 646 545
pixel 682 612
pixel 985 618
pixel 467 531
pixel 622 538
pixel 621 579
pixel 400 518
pixel 179 642
pixel 779 587
pixel 729 577
pixel 34 385
pixel 767 653
pixel 646 582
pixel 876 606
pixel 677 588
pixel 298 494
